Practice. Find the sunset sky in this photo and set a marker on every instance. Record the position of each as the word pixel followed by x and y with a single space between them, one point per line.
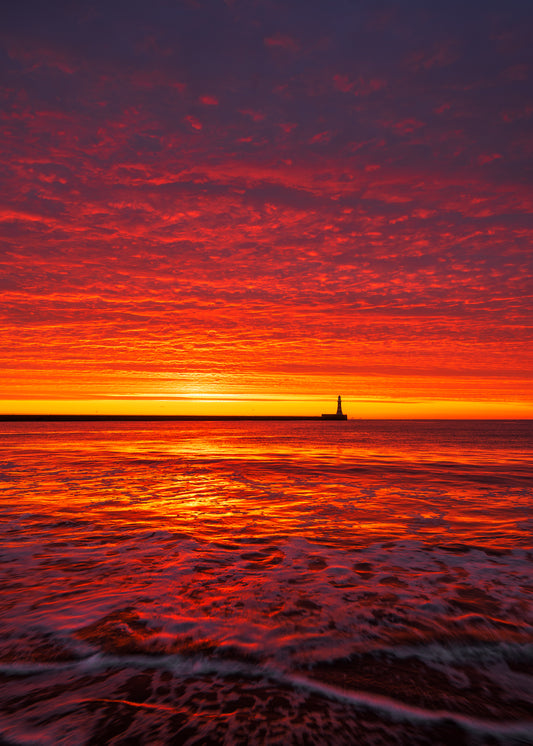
pixel 257 205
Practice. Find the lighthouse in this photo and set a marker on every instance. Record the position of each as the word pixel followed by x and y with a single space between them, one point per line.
pixel 338 415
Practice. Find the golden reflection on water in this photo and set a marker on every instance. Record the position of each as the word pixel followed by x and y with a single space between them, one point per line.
pixel 218 480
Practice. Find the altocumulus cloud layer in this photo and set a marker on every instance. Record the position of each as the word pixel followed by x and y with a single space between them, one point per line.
pixel 264 194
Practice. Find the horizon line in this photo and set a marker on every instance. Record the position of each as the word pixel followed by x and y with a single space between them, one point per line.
pixel 206 418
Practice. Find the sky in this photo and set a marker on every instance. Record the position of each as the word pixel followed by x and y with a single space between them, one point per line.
pixel 253 206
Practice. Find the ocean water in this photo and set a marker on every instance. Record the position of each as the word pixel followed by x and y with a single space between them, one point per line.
pixel 360 582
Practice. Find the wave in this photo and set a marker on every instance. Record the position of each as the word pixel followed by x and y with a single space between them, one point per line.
pixel 201 699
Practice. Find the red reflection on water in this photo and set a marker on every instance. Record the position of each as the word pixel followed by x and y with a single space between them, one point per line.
pixel 222 544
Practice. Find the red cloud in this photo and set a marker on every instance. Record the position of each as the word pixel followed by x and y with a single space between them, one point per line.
pixel 440 55
pixel 36 56
pixel 288 127
pixel 209 100
pixel 407 126
pixel 194 122
pixel 283 41
pixel 359 87
pixel 488 158
pixel 257 116
pixel 343 83
pixel 320 137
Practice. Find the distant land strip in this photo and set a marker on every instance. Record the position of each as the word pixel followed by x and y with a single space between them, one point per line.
pixel 159 417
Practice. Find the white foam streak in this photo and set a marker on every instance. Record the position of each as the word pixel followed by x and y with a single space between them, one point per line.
pixel 401 712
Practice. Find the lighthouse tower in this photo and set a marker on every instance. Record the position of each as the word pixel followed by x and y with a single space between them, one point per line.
pixel 338 415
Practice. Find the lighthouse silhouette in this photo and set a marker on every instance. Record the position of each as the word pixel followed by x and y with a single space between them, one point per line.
pixel 338 415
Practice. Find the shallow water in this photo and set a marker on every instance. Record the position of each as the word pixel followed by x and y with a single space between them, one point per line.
pixel 266 582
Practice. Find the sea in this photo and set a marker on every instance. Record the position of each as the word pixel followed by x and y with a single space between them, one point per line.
pixel 266 582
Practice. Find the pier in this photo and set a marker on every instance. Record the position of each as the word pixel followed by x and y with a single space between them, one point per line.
pixel 158 418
